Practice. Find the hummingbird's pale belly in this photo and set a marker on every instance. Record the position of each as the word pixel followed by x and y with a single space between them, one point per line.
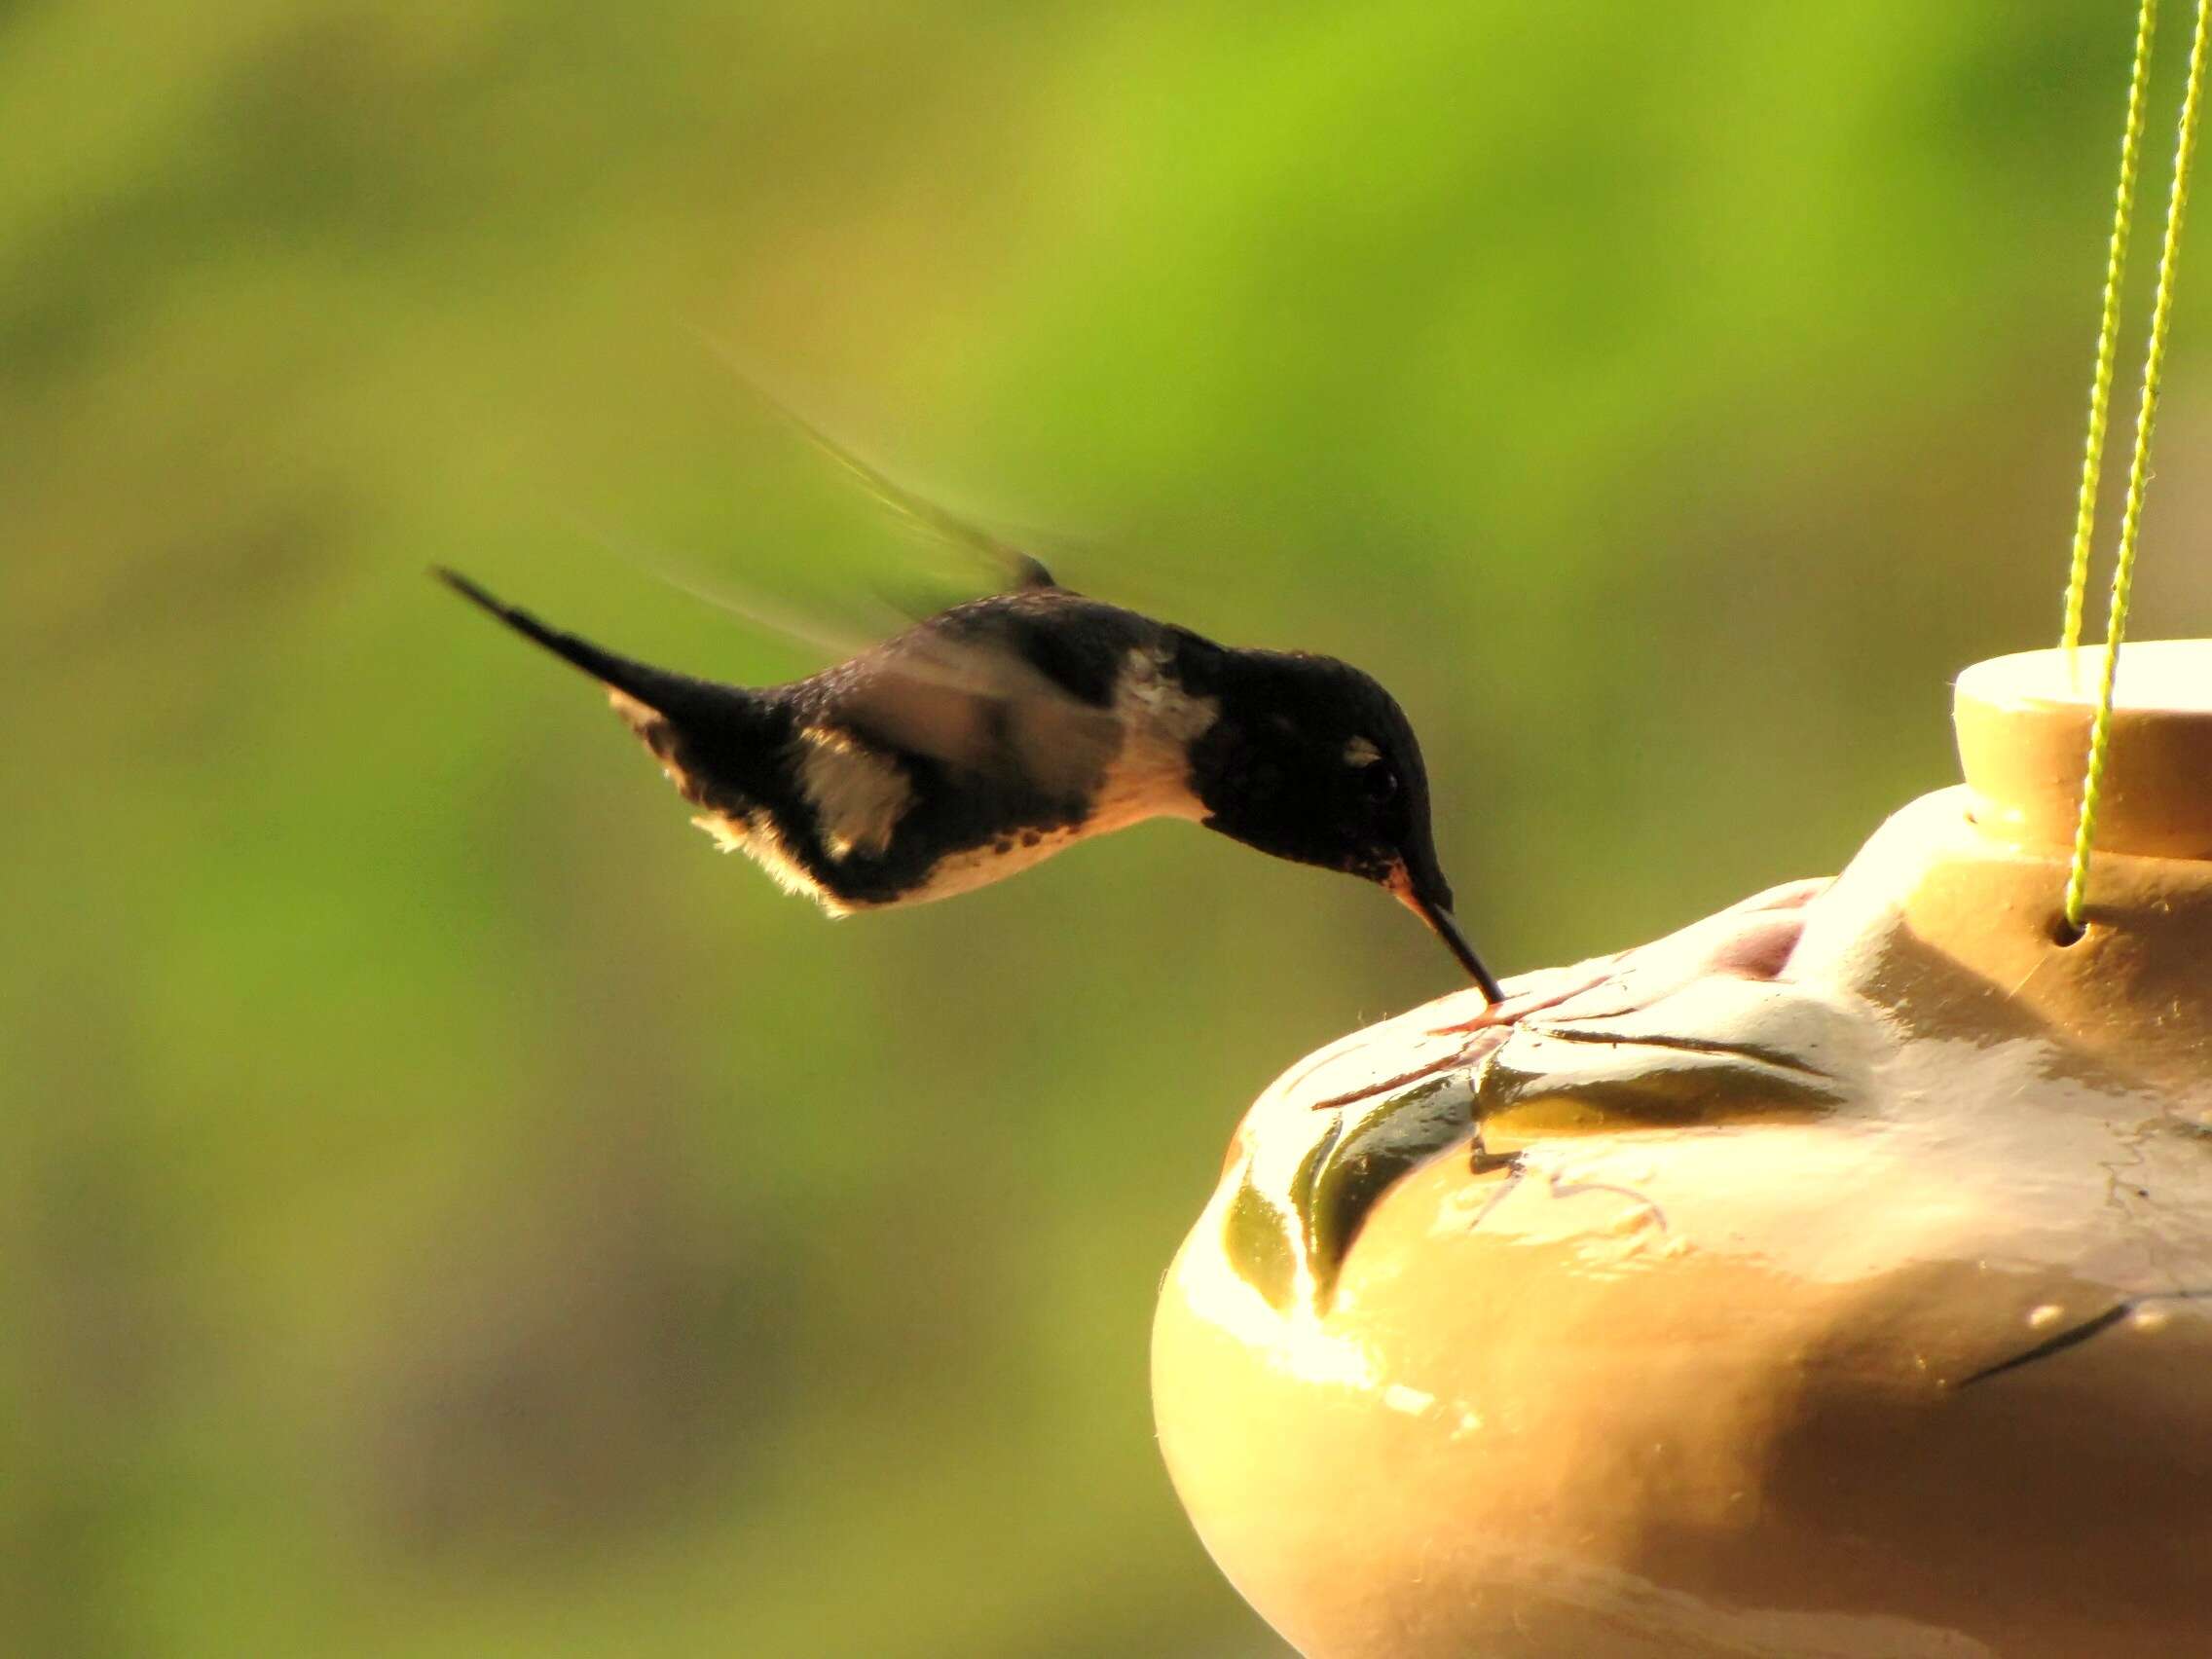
pixel 957 872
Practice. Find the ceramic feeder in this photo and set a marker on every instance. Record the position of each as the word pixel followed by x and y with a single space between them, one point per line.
pixel 1834 1279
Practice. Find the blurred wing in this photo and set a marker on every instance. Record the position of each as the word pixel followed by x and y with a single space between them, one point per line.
pixel 979 706
pixel 1019 571
pixel 972 702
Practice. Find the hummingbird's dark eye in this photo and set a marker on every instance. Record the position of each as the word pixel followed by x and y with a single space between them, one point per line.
pixel 1378 782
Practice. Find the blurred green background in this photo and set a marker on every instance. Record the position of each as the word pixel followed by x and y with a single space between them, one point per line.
pixel 445 1210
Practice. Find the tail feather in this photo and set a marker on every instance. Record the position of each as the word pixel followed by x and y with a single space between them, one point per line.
pixel 718 744
pixel 674 695
pixel 1021 572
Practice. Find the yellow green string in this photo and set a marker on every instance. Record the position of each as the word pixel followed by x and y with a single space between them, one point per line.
pixel 2108 330
pixel 2138 467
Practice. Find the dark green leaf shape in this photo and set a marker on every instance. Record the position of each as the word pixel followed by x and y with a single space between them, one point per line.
pixel 1297 1209
pixel 1722 1050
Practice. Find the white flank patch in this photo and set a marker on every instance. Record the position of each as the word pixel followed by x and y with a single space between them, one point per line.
pixel 859 795
pixel 754 834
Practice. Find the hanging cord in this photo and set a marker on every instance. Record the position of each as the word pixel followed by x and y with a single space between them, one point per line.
pixel 2138 467
pixel 2108 331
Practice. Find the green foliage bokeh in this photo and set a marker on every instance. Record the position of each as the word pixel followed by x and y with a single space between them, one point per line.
pixel 445 1211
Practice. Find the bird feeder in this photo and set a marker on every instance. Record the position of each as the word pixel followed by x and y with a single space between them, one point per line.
pixel 1832 1279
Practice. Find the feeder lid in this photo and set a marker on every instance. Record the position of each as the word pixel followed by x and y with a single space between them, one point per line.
pixel 2023 732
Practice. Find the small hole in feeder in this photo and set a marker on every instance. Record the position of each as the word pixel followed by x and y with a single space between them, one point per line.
pixel 2065 933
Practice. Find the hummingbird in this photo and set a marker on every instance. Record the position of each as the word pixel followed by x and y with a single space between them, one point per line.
pixel 989 737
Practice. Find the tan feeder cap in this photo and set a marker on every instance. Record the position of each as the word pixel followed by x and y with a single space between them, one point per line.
pixel 1834 1279
pixel 2023 728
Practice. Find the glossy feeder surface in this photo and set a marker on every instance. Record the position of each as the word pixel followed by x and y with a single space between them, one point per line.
pixel 1860 1307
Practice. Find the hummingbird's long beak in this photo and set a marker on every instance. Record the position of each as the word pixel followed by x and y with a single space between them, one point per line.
pixel 1437 913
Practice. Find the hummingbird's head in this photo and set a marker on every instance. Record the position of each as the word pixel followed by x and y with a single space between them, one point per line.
pixel 1310 760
